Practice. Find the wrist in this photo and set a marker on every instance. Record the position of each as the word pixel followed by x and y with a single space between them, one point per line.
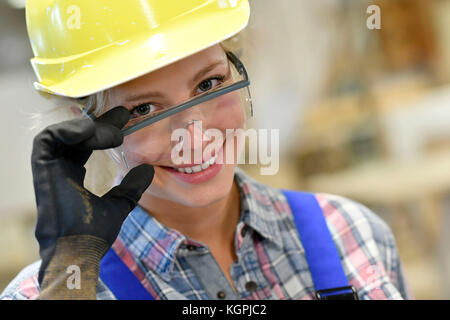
pixel 73 270
pixel 82 248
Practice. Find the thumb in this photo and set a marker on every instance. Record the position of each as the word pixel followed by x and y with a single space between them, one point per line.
pixel 127 194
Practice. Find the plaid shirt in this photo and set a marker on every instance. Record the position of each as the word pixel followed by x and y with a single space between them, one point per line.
pixel 271 262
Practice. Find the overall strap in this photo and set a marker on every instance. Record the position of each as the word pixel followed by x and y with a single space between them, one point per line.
pixel 321 254
pixel 120 280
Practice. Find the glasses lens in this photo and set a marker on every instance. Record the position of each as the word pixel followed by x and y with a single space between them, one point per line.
pixel 149 111
pixel 209 91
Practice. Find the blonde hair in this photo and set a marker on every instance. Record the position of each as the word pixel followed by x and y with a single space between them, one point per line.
pixel 102 166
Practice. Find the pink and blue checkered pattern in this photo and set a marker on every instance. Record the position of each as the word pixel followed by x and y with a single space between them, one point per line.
pixel 269 252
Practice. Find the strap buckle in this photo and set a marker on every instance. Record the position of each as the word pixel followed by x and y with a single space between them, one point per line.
pixel 340 293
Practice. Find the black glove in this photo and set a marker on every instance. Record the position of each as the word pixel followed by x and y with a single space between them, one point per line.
pixel 69 216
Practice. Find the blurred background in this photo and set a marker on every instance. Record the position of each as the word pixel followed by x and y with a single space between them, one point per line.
pixel 363 113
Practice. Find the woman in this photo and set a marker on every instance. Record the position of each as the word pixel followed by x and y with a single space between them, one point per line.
pixel 201 229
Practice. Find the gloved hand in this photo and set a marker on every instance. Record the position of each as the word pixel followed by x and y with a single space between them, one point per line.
pixel 74 226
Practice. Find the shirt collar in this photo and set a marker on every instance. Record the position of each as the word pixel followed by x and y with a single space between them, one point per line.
pixel 156 245
pixel 261 206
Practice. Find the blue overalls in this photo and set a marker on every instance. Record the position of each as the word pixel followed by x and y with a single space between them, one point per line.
pixel 321 254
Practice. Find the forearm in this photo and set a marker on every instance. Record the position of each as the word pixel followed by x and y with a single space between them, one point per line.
pixel 62 281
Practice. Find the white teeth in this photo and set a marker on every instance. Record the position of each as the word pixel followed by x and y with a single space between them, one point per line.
pixel 199 167
pixel 205 165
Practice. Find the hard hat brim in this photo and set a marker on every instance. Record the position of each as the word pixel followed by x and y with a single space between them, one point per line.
pixel 126 60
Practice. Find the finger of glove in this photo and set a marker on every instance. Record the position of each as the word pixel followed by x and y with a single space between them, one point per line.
pixel 126 195
pixel 53 141
pixel 117 117
pixel 107 130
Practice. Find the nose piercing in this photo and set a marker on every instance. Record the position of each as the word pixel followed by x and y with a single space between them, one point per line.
pixel 188 123
pixel 185 126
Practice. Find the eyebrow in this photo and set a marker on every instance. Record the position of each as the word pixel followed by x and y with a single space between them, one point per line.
pixel 195 79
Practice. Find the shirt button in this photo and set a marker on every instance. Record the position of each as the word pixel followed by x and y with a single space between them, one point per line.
pixel 221 295
pixel 251 286
pixel 191 247
pixel 244 231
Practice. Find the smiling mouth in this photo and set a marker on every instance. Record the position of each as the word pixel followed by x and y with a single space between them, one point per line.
pixel 196 167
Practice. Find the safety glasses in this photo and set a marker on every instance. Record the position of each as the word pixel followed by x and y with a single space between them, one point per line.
pixel 226 87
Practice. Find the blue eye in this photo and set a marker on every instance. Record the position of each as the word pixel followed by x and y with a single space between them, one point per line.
pixel 209 84
pixel 142 110
pixel 206 85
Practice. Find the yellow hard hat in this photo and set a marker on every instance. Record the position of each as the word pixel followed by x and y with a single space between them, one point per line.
pixel 82 47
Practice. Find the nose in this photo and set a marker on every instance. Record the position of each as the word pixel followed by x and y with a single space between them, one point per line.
pixel 195 133
pixel 194 122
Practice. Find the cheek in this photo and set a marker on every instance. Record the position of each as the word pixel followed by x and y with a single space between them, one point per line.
pixel 229 113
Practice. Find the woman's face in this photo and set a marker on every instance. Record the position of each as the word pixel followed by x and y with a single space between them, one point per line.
pixel 170 86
